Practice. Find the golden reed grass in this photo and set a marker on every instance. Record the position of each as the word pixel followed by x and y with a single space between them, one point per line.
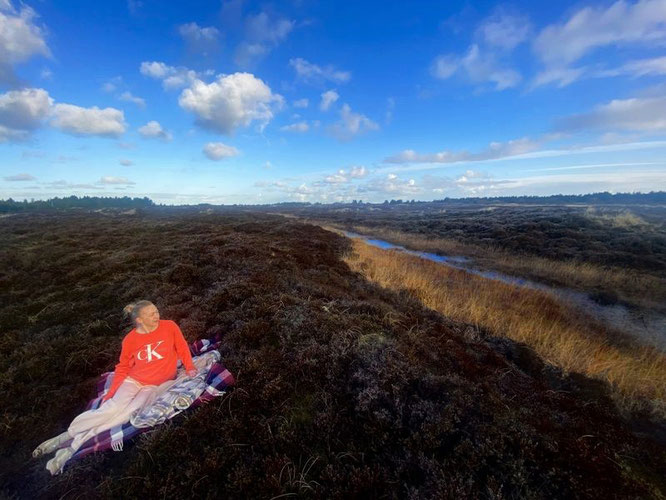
pixel 635 287
pixel 560 334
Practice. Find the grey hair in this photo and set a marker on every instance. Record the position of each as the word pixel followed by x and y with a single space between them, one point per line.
pixel 134 309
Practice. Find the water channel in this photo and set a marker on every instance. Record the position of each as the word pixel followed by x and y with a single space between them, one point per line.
pixel 647 326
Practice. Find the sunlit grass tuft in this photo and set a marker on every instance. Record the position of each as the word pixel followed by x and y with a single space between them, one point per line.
pixel 559 333
pixel 624 219
pixel 630 285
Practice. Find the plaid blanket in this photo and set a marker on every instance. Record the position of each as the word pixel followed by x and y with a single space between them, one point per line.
pixel 218 380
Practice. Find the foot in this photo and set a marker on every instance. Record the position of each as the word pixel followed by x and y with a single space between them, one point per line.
pixel 57 463
pixel 50 445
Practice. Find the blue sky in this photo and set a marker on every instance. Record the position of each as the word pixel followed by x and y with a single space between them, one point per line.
pixel 255 102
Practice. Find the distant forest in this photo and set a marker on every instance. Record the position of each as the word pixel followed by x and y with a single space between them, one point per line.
pixel 74 202
pixel 95 202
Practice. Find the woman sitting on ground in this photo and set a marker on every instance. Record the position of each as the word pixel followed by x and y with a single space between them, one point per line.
pixel 147 368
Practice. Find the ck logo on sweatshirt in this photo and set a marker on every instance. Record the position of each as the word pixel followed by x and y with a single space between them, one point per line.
pixel 149 352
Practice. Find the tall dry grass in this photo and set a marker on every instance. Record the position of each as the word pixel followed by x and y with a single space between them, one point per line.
pixel 623 219
pixel 638 288
pixel 560 334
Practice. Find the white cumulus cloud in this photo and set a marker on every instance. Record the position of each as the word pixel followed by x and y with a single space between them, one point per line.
pixel 230 102
pixel 343 176
pixel 392 185
pixel 218 151
pixel 107 122
pixel 301 103
pixel 337 178
pixel 20 39
pixel 358 172
pixel 154 130
pixel 21 112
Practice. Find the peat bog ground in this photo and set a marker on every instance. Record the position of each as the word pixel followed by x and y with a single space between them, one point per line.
pixel 344 389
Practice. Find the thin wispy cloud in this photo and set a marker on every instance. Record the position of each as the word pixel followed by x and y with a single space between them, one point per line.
pixel 487 60
pixel 312 73
pixel 596 165
pixel 351 124
pixel 563 46
pixel 111 180
pixel 635 114
pixel 495 150
pixel 404 166
pixel 296 127
pixel 263 32
pixel 128 97
pixel 172 77
pixel 200 39
pixel 327 99
pixel 20 178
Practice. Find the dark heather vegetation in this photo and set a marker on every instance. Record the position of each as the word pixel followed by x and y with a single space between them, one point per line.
pixel 344 389
pixel 615 253
pixel 630 238
pixel 605 198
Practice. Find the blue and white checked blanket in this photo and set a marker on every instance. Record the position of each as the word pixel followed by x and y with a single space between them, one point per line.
pixel 208 386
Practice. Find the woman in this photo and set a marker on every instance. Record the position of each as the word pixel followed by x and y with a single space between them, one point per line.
pixel 147 368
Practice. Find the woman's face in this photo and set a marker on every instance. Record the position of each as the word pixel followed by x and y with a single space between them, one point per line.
pixel 149 317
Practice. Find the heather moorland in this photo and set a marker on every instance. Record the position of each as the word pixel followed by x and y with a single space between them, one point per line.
pixel 345 388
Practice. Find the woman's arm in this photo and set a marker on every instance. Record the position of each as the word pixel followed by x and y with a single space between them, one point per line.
pixel 122 369
pixel 182 348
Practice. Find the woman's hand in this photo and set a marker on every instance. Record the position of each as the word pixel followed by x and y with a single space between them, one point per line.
pixel 192 373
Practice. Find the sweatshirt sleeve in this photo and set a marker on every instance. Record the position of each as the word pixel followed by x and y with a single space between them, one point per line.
pixel 122 369
pixel 182 348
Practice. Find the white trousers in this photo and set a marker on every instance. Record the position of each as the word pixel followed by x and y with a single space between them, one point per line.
pixel 131 397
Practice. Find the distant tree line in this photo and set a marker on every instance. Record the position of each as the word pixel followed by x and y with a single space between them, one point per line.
pixel 605 198
pixel 94 202
pixel 11 205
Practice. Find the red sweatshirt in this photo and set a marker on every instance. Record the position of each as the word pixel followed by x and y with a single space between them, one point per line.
pixel 151 358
